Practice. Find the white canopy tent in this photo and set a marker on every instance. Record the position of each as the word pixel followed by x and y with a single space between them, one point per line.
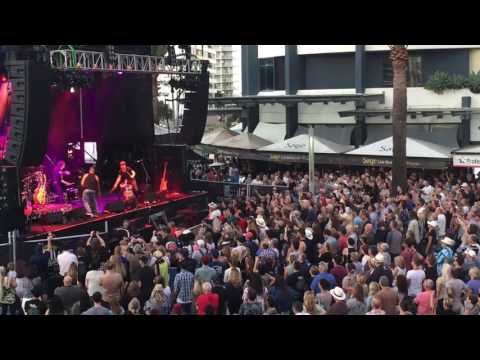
pixel 244 141
pixel 218 135
pixel 237 128
pixel 271 132
pixel 415 149
pixel 299 144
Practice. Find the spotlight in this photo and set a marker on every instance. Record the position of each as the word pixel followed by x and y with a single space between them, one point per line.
pixel 3 78
pixel 72 90
pixel 120 73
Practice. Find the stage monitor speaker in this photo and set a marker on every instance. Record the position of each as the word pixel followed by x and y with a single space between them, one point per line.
pixel 115 207
pixel 54 218
pixel 150 197
pixel 29 112
pixel 196 111
pixel 78 213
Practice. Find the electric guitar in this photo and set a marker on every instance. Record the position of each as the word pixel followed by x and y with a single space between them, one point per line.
pixel 40 193
pixel 164 181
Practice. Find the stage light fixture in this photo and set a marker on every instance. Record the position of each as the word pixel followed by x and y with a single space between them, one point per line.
pixel 72 90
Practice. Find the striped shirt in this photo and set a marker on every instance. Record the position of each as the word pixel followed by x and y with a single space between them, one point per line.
pixel 183 287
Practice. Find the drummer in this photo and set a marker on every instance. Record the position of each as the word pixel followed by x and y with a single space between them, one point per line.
pixel 59 183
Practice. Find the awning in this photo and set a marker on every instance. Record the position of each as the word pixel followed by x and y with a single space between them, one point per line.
pixel 341 133
pixel 299 144
pixel 271 132
pixel 244 141
pixel 218 135
pixel 415 149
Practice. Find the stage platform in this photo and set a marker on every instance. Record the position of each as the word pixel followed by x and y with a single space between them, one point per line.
pixel 172 203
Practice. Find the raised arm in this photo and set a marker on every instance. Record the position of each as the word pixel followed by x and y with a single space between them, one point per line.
pixel 117 182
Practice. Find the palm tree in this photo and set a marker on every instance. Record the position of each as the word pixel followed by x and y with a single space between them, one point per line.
pixel 399 57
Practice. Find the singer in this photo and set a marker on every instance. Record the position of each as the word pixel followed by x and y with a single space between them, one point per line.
pixel 126 175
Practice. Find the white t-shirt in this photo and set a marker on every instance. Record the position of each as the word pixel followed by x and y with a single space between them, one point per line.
pixel 416 278
pixel 65 259
pixel 442 225
pixel 93 280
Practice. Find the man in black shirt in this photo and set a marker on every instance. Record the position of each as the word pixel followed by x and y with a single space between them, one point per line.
pixel 35 306
pixel 145 276
pixel 90 184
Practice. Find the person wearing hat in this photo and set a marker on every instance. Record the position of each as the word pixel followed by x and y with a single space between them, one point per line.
pixel 339 307
pixel 471 260
pixel 445 255
pixel 380 270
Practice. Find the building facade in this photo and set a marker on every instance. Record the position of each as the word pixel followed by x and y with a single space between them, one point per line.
pixel 321 70
pixel 223 79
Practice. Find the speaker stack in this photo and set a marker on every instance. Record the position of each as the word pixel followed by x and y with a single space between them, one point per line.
pixel 196 110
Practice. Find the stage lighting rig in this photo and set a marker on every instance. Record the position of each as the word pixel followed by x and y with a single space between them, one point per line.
pixel 187 50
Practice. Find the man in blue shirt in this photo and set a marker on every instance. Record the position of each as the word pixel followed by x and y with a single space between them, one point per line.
pixel 323 274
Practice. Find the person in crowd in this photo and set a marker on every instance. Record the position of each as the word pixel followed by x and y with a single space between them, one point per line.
pixel 376 307
pixel 207 298
pixel 356 304
pixel 339 307
pixel 251 306
pixel 415 276
pixel 425 300
pixel 69 294
pixel 183 288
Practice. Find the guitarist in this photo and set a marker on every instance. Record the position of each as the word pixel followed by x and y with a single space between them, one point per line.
pixel 125 173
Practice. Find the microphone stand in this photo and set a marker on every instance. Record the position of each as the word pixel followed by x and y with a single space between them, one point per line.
pixel 147 176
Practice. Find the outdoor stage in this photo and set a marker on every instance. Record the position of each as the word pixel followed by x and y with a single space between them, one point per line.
pixel 173 204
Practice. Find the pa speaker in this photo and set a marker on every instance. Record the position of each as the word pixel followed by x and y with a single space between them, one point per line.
pixel 115 207
pixel 29 112
pixel 196 111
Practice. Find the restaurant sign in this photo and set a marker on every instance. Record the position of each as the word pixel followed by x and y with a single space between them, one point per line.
pixel 466 160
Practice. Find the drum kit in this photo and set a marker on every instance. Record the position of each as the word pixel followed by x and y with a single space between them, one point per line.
pixel 36 189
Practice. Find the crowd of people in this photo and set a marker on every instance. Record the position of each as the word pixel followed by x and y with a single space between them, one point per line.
pixel 352 247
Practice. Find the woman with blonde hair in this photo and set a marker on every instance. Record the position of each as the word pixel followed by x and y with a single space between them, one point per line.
pixel 474 282
pixel 373 289
pixel 158 304
pixel 309 304
pixel 73 273
pixel 399 269
pixel 7 292
pixel 441 287
pixel 233 291
pixel 134 307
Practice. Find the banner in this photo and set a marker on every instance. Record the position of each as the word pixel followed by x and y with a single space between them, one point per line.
pixel 466 160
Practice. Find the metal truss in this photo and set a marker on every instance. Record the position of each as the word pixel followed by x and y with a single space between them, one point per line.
pixel 79 60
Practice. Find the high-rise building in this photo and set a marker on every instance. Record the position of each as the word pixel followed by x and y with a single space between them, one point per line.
pixel 223 80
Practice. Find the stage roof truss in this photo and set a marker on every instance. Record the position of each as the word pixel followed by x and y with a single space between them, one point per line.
pixel 79 60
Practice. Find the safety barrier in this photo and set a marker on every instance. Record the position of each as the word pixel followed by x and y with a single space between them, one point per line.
pixel 223 189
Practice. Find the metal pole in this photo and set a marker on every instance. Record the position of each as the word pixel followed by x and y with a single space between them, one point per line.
pixel 311 159
pixel 14 248
pixel 81 115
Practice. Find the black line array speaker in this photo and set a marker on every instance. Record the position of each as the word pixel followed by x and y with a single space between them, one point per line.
pixel 11 209
pixel 29 112
pixel 196 110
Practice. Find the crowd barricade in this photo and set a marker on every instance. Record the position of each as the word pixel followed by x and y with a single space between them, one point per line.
pixel 228 190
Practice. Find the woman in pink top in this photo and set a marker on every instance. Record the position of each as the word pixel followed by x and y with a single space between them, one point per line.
pixel 425 300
